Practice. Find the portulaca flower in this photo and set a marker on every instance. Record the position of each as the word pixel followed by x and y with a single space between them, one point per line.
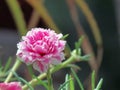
pixel 10 86
pixel 41 47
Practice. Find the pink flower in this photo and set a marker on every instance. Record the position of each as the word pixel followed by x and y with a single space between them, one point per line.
pixel 10 86
pixel 41 47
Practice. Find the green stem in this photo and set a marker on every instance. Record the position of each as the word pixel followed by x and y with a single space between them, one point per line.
pixel 33 82
pixel 49 78
pixel 16 65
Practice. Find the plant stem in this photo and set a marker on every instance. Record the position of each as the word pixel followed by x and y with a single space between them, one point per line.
pixel 49 78
pixel 16 65
pixel 33 82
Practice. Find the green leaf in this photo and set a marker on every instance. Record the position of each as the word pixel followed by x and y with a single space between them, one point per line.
pixel 65 36
pixel 93 80
pixel 4 70
pixel 67 84
pixel 71 83
pixel 23 80
pixel 77 79
pixel 7 64
pixel 77 48
pixel 74 66
pixel 41 82
pixel 80 41
pixel 1 68
pixel 78 45
pixel 1 73
pixel 99 84
pixel 85 58
pixel 64 85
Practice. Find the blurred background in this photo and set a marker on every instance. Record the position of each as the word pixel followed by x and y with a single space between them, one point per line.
pixel 97 20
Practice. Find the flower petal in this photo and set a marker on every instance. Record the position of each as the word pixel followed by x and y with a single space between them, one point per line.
pixel 39 66
pixel 10 86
